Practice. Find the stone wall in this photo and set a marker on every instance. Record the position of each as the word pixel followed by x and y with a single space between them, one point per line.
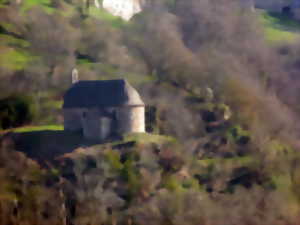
pixel 91 124
pixel 72 120
pixel 296 13
pixel 102 123
pixel 131 119
pixel 98 124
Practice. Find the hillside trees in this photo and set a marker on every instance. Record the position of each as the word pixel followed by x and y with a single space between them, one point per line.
pixel 233 170
pixel 25 197
pixel 16 111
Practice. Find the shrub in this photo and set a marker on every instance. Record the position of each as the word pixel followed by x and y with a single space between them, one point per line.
pixel 16 111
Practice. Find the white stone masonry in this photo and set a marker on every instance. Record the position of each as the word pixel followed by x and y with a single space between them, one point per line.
pixel 123 8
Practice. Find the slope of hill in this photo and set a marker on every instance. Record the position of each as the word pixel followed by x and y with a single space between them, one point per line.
pixel 279 28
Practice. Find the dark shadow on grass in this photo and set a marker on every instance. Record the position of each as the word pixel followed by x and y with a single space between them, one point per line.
pixel 285 22
pixel 46 146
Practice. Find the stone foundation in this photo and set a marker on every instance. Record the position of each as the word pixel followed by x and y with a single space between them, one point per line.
pixel 131 119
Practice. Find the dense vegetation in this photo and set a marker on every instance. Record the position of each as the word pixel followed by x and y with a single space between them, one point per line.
pixel 222 82
pixel 15 111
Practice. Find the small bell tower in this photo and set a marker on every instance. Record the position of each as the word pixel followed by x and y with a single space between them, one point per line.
pixel 75 77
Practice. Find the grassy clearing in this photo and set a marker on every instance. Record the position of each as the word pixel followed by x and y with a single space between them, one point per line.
pixel 35 128
pixel 13 59
pixel 45 4
pixel 13 53
pixel 275 36
pixel 279 28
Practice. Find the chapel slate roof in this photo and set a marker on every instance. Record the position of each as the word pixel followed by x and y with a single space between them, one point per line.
pixel 101 93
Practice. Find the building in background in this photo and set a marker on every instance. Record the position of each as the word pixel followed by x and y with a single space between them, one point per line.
pixel 123 8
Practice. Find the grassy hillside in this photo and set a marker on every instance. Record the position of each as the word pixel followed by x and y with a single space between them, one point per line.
pixel 279 28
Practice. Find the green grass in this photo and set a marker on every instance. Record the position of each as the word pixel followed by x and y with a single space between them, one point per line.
pixel 3 3
pixel 84 62
pixel 279 28
pixel 9 40
pixel 14 59
pixel 275 36
pixel 13 53
pixel 38 128
pixel 45 4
